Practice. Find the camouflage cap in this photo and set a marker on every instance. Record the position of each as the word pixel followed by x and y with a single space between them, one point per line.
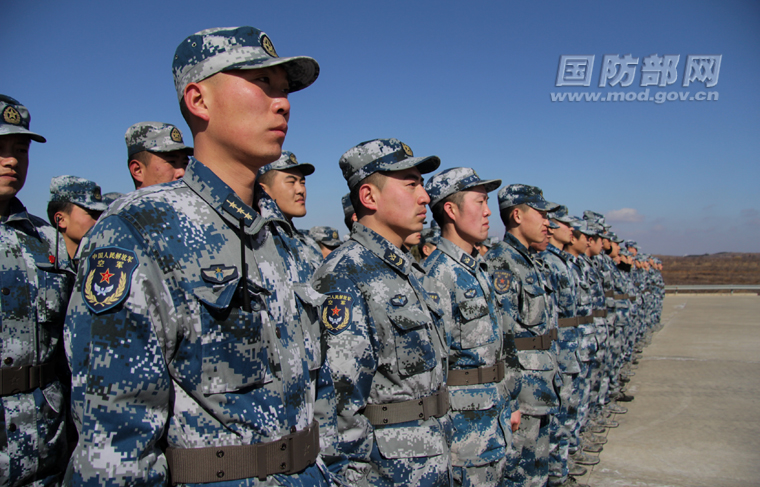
pixel 15 119
pixel 287 160
pixel 327 236
pixel 593 216
pixel 82 192
pixel 154 137
pixel 632 243
pixel 594 229
pixel 553 225
pixel 518 194
pixel 625 253
pixel 382 155
pixel 109 198
pixel 212 51
pixel 560 214
pixel 454 180
pixel 431 235
pixel 490 242
pixel 348 207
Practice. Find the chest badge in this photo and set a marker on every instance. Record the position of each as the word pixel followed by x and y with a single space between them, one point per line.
pixel 501 281
pixel 109 276
pixel 336 312
pixel 219 274
pixel 470 293
pixel 399 300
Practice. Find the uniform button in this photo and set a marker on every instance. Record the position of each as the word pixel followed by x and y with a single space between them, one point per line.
pixel 8 361
pixel 5 291
pixel 278 333
pixel 12 427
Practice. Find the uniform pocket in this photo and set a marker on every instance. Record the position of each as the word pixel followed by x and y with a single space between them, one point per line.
pixel 409 441
pixel 415 350
pixel 232 340
pixel 536 359
pixel 533 306
pixel 475 328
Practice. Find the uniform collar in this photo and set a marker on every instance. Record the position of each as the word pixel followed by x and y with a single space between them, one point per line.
pixel 460 256
pixel 19 217
pixel 221 197
pixel 512 241
pixel 401 260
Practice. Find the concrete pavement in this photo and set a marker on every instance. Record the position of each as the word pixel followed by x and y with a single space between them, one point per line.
pixel 696 417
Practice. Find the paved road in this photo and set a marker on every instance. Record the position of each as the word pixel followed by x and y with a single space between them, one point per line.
pixel 696 417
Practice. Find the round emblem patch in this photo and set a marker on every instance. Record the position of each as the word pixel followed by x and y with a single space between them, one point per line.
pixel 175 135
pixel 407 150
pixel 11 116
pixel 266 44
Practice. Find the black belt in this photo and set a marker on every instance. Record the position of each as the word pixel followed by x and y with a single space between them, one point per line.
pixel 400 412
pixel 481 375
pixel 540 342
pixel 288 455
pixel 25 378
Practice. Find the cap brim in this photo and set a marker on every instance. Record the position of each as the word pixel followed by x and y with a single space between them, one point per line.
pixel 545 206
pixel 306 168
pixel 302 71
pixel 424 164
pixel 94 206
pixel 13 130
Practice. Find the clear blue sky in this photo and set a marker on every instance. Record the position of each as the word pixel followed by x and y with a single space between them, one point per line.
pixel 467 81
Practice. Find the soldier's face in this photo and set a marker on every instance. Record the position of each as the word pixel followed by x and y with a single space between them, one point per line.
pixel 402 203
pixel 80 220
pixel 14 162
pixel 534 226
pixel 472 215
pixel 580 244
pixel 563 234
pixel 248 113
pixel 413 239
pixel 164 167
pixel 288 189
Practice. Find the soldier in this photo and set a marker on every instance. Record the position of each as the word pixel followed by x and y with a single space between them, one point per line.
pixel 74 207
pixel 155 153
pixel 109 198
pixel 34 291
pixel 521 291
pixel 327 238
pixel 195 352
pixel 284 184
pixel 484 374
pixel 386 342
pixel 349 216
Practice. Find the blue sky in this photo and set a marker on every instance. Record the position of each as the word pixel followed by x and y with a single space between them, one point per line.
pixel 469 82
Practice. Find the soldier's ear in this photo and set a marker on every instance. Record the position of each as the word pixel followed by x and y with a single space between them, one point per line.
pixel 136 169
pixel 368 196
pixel 62 220
pixel 195 98
pixel 451 210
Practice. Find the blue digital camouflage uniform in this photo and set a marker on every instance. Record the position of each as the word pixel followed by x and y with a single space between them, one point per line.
pixel 161 347
pixel 520 290
pixel 386 344
pixel 482 444
pixel 33 299
pixel 562 282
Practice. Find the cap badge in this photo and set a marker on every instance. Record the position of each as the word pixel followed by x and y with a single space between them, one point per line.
pixel 266 44
pixel 11 115
pixel 175 135
pixel 407 150
pixel 293 159
pixel 96 194
pixel 335 235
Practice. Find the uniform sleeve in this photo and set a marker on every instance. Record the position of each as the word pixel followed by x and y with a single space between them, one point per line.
pixel 351 355
pixel 121 388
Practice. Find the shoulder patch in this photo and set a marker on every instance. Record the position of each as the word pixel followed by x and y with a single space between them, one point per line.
pixel 336 312
pixel 219 274
pixel 109 275
pixel 399 300
pixel 501 281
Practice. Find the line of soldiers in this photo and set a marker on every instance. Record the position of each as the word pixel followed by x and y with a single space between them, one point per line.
pixel 193 335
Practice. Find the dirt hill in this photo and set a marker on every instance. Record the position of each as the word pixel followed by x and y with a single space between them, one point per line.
pixel 722 268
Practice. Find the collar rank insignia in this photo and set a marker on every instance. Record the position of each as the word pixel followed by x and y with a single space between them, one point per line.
pixel 399 300
pixel 467 260
pixel 336 312
pixel 394 258
pixel 238 209
pixel 435 297
pixel 470 293
pixel 219 274
pixel 501 281
pixel 109 276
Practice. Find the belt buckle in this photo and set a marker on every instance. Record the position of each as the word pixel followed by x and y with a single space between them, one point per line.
pixel 15 380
